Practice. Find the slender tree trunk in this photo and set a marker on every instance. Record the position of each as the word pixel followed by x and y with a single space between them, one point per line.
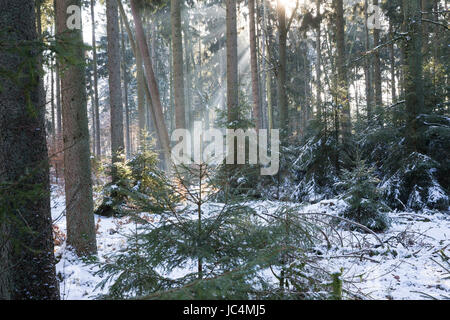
pixel 413 73
pixel 187 63
pixel 94 129
pixel 97 139
pixel 318 63
pixel 77 165
pixel 264 106
pixel 342 83
pixel 281 70
pixel 392 58
pixel 157 114
pixel 377 69
pixel 232 62
pixel 254 65
pixel 125 91
pixel 367 66
pixel 27 265
pixel 142 88
pixel 58 101
pixel 52 84
pixel 177 61
pixel 114 80
pixel 154 61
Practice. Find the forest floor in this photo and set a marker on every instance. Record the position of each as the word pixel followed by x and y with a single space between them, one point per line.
pixel 408 266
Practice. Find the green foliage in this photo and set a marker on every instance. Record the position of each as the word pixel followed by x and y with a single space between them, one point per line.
pixel 309 167
pixel 414 185
pixel 410 180
pixel 239 180
pixel 337 286
pixel 140 186
pixel 200 249
pixel 363 197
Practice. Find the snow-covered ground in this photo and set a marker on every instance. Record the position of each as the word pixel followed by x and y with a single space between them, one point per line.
pixel 405 267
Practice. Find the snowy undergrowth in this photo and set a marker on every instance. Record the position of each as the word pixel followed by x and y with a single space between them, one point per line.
pixel 405 266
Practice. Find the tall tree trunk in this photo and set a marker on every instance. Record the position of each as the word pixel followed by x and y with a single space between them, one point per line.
pixel 125 91
pixel 177 62
pixel 413 73
pixel 264 107
pixel 157 114
pixel 77 165
pixel 318 63
pixel 367 66
pixel 52 101
pixel 114 80
pixel 141 97
pixel 142 88
pixel 232 62
pixel 94 129
pixel 27 265
pixel 58 99
pixel 342 80
pixel 392 58
pixel 281 70
pixel 254 65
pixel 188 80
pixel 98 147
pixel 377 70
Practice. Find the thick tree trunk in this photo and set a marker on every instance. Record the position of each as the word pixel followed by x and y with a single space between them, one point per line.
pixel 342 80
pixel 177 63
pixel 232 62
pixel 157 113
pixel 97 140
pixel 27 266
pixel 254 65
pixel 77 165
pixel 114 80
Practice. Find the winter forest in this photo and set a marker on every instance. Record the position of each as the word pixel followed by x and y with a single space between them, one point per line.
pixel 224 150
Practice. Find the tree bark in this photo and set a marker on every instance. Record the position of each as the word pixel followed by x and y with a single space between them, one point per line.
pixel 342 80
pixel 254 66
pixel 27 265
pixel 52 101
pixel 367 64
pixel 281 70
pixel 264 105
pixel 318 63
pixel 232 62
pixel 392 58
pixel 125 92
pixel 114 81
pixel 377 69
pixel 142 88
pixel 413 73
pixel 77 165
pixel 97 138
pixel 157 114
pixel 177 62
